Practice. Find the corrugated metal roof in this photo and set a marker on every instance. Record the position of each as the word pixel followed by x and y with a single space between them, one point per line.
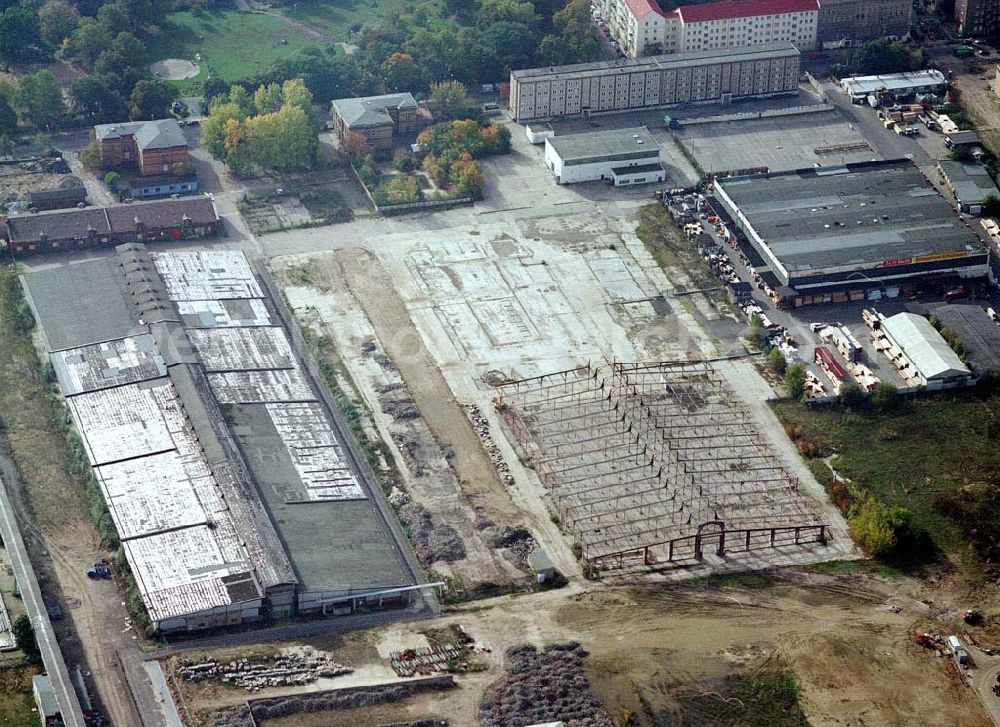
pixel 929 353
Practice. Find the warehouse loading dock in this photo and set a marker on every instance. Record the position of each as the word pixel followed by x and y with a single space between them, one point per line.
pixel 859 231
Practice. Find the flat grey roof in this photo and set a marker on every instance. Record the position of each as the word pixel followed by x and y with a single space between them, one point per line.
pixel 79 304
pixel 610 144
pixel 861 214
pixel 860 85
pixel 334 545
pixel 980 335
pixel 656 63
pixel 972 183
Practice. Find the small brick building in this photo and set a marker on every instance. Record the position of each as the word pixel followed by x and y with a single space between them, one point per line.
pixel 155 148
pixel 166 219
pixel 382 120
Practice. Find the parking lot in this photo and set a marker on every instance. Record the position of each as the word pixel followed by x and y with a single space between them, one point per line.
pixel 798 332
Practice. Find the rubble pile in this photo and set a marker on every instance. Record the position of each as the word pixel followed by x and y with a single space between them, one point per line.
pixel 432 540
pixel 482 428
pixel 517 541
pixel 288 668
pixel 546 686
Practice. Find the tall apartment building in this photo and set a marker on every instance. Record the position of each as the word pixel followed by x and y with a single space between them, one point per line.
pixel 977 17
pixel 641 28
pixel 861 20
pixel 656 81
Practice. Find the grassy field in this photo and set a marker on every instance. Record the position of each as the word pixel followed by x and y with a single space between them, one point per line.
pixel 232 44
pixel 342 18
pixel 17 706
pixel 924 455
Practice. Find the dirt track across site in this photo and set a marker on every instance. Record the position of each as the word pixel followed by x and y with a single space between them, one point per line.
pixel 374 289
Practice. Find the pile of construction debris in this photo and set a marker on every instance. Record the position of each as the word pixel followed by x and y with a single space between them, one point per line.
pixel 432 540
pixel 482 427
pixel 516 541
pixel 290 667
pixel 546 686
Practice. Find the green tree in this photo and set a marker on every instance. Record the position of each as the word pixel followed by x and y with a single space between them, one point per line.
pixel 880 528
pixel 20 35
pixel 8 119
pixel 267 98
pixel 212 129
pixel 150 100
pixel 776 361
pixel 57 20
pixel 451 100
pixel 126 54
pixel 24 635
pixel 850 394
pixel 38 101
pixel 795 380
pixel 112 180
pixel 96 100
pixel 883 396
pixel 282 140
pixel 884 56
pixel 88 41
pixel 401 73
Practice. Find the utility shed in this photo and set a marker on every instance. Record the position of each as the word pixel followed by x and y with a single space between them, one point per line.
pixel 45 700
pixel 932 359
pixel 603 155
pixel 969 183
pixel 980 335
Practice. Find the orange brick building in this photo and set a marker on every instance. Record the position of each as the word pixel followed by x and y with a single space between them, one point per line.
pixel 155 148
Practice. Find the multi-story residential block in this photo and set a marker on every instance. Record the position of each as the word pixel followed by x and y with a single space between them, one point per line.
pixel 641 28
pixel 977 17
pixel 743 23
pixel 861 20
pixel 656 81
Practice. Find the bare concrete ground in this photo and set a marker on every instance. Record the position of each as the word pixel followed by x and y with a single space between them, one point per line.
pixel 443 463
pixel 851 650
pixel 458 307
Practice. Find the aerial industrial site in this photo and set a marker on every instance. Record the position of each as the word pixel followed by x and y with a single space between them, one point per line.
pixel 611 364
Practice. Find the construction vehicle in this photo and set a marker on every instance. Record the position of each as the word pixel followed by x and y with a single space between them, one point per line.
pixel 972 617
pixel 101 569
pixel 926 640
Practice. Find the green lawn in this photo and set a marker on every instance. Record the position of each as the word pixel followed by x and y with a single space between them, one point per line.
pixel 930 452
pixel 341 18
pixel 232 44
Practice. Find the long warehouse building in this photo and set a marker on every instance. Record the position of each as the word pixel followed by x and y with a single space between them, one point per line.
pixel 656 81
pixel 850 232
pixel 226 478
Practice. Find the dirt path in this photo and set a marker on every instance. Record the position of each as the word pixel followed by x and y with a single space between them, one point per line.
pixel 374 289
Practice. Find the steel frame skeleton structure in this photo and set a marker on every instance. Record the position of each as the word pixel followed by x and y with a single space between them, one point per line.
pixel 654 463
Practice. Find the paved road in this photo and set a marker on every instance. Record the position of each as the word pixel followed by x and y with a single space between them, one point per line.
pixel 52 657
